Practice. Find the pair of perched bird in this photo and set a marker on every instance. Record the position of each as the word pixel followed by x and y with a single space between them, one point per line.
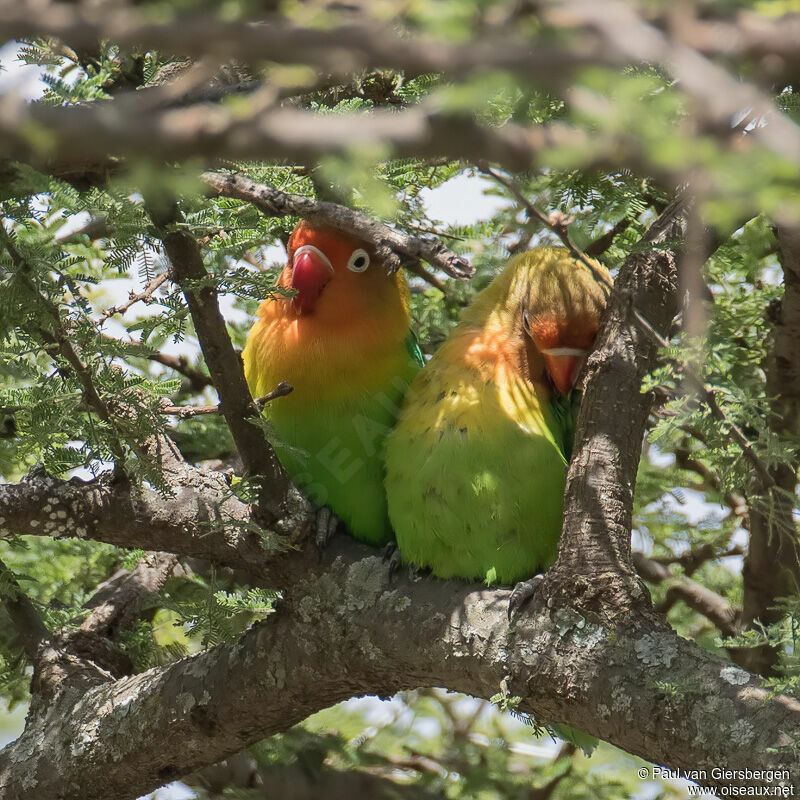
pixel 462 459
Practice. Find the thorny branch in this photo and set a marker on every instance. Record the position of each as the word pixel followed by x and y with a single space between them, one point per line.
pixel 135 297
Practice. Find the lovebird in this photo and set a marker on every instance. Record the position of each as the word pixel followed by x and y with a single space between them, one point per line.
pixel 476 465
pixel 344 343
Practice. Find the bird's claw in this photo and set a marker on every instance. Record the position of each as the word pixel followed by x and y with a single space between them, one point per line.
pixel 391 555
pixel 327 522
pixel 522 594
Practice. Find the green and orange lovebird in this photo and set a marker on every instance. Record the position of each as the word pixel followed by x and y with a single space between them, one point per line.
pixel 343 341
pixel 477 462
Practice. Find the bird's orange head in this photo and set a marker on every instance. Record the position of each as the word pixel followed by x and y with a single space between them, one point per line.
pixel 561 313
pixel 544 311
pixel 344 326
pixel 332 272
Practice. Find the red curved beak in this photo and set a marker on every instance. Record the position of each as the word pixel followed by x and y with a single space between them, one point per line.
pixel 311 271
pixel 563 364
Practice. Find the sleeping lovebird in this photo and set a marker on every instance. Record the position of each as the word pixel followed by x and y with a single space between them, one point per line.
pixel 475 467
pixel 343 341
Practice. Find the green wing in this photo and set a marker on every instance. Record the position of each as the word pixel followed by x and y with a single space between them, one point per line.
pixel 565 412
pixel 414 350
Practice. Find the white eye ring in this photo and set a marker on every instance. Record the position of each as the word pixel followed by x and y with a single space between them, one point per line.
pixel 358 261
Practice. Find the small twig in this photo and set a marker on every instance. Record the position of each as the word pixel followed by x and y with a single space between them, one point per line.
pixel 134 297
pixel 602 243
pixel 430 278
pixel 709 480
pixel 281 390
pixel 710 398
pixel 556 221
pixel 197 379
pixel 185 412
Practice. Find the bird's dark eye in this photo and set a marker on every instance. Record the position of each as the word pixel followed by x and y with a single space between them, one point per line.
pixel 358 261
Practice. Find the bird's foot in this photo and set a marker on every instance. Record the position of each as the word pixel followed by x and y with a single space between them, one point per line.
pixel 522 594
pixel 327 522
pixel 391 555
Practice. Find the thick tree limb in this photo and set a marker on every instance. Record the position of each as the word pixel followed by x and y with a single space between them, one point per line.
pixel 202 518
pixel 350 629
pixel 395 248
pixel 595 540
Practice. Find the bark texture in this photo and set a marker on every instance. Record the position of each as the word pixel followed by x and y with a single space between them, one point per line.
pixel 595 552
pixel 350 629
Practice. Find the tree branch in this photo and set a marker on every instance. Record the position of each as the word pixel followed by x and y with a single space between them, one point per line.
pixel 395 248
pixel 223 363
pixel 297 782
pixel 202 518
pixel 349 628
pixel 340 50
pixel 135 297
pixel 116 602
pixel 185 412
pixel 595 540
pixel 197 380
pixel 713 607
pixel 718 95
pixel 599 246
pixel 344 49
pixel 77 134
pixel 772 564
